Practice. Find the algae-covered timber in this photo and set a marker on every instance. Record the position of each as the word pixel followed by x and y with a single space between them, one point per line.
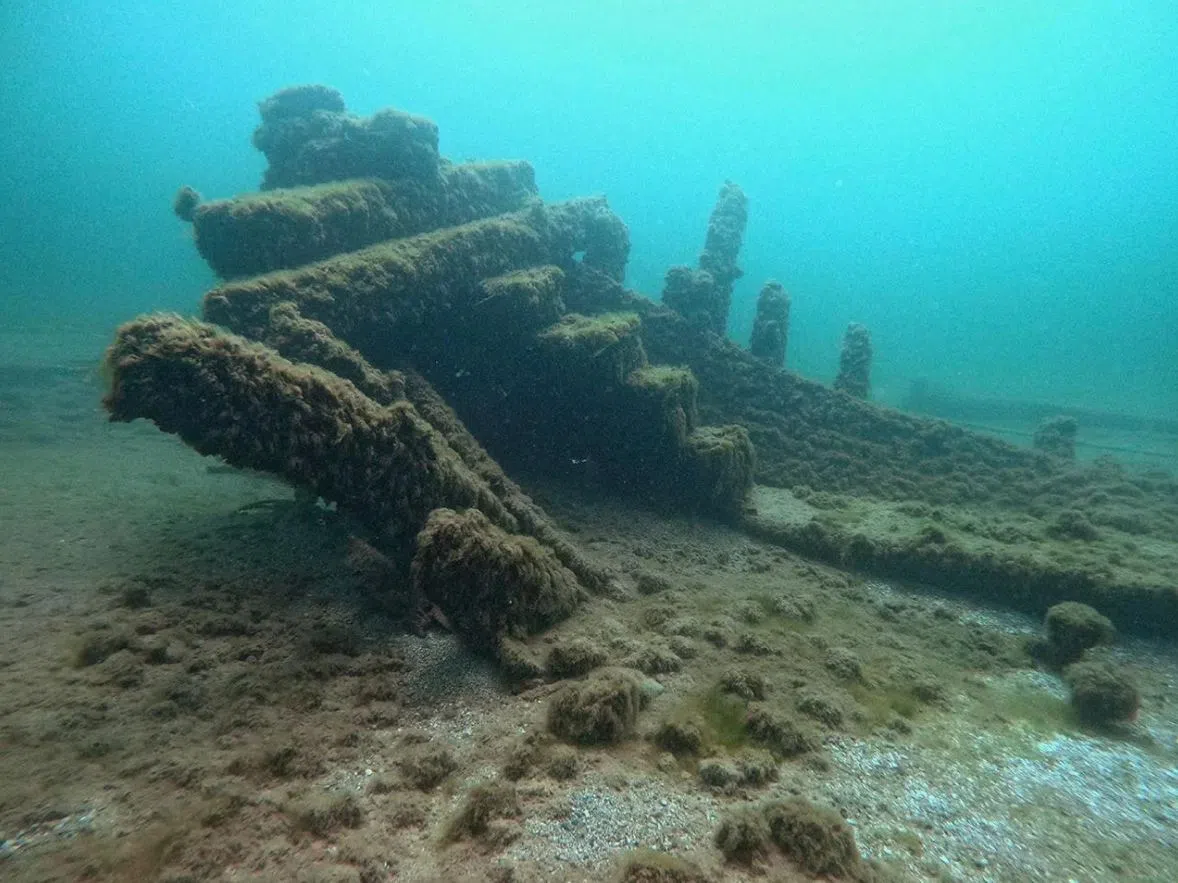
pixel 308 137
pixel 493 585
pixel 719 467
pixel 663 399
pixel 390 290
pixel 385 463
pixel 854 377
pixel 807 434
pixel 821 443
pixel 277 229
pixel 770 335
pixel 521 302
pixel 1000 555
pixel 305 340
pixel 239 400
pixel 388 298
pixel 593 350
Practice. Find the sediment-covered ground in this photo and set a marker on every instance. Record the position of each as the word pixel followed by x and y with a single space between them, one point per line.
pixel 202 681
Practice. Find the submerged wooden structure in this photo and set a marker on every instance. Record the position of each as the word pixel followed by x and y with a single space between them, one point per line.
pixel 391 326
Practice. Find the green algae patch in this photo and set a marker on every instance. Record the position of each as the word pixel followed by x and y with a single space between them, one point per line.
pixel 1015 701
pixel 592 333
pixel 721 714
pixel 882 704
pixel 665 379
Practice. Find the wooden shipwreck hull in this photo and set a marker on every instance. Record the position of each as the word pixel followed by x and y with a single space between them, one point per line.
pixel 383 308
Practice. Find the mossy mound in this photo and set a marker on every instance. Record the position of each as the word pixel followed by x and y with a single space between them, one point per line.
pixel 815 838
pixel 1102 693
pixel 321 814
pixel 426 766
pixel 599 710
pixel 1072 524
pixel 743 835
pixel 491 584
pixel 680 737
pixel 1073 628
pixel 575 657
pixel 648 866
pixel 718 773
pixel 755 766
pixel 780 733
pixel 483 806
pixel 751 767
pixel 539 752
pixel 745 684
pixel 1057 436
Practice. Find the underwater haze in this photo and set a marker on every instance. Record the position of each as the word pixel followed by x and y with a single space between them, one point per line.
pixel 990 188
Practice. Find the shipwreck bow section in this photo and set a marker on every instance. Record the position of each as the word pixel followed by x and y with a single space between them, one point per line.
pixel 372 285
pixel 461 274
pixel 381 308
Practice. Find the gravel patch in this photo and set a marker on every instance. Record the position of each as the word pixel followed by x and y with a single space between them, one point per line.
pixel 50 827
pixel 1007 622
pixel 603 821
pixel 1009 805
pixel 444 671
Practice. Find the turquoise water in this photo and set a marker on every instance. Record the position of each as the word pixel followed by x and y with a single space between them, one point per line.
pixel 991 188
